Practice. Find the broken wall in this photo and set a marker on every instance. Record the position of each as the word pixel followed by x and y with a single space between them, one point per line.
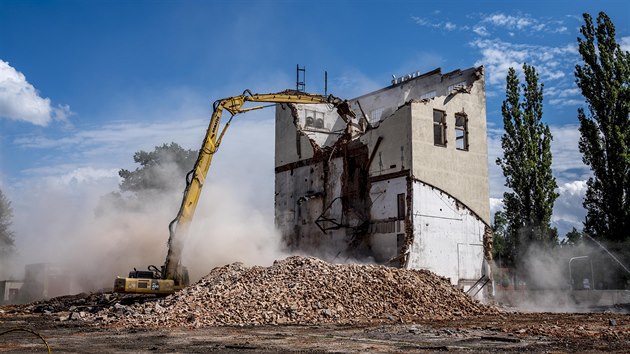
pixel 360 189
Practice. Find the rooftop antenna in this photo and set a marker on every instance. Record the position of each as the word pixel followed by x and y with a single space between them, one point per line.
pixel 325 83
pixel 300 84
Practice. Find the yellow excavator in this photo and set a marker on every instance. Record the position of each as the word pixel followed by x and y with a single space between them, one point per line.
pixel 173 276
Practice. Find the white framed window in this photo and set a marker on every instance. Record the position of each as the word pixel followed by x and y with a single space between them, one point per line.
pixel 314 119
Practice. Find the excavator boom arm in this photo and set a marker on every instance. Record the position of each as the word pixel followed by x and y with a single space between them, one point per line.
pixel 196 177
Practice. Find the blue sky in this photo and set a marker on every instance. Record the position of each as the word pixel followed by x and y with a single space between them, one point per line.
pixel 85 84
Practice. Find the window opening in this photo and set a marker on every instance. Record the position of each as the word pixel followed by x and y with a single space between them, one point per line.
pixel 439 128
pixel 461 131
pixel 314 119
pixel 401 206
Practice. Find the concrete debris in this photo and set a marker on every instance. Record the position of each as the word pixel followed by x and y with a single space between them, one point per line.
pixel 303 290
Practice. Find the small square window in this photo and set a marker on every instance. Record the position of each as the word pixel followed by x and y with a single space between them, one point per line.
pixel 314 119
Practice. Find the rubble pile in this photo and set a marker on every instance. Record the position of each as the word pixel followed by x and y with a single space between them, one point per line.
pixel 302 290
pixel 79 306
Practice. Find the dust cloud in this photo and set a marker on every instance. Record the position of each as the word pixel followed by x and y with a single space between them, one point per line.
pixel 95 235
pixel 567 278
pixel 133 233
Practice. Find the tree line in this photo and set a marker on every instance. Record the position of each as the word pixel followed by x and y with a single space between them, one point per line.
pixel 603 78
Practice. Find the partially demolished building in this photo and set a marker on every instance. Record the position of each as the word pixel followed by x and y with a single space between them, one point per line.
pixel 405 184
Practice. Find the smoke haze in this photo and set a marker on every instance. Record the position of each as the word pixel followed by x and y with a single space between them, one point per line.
pixel 67 221
pixel 576 278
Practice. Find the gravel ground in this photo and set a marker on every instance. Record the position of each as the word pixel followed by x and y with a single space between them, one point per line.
pixel 304 304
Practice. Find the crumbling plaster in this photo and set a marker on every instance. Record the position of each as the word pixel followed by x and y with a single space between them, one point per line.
pixel 338 187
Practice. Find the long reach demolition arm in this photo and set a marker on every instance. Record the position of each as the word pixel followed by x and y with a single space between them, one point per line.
pixel 196 177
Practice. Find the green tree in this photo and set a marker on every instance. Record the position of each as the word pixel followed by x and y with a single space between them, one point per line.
pixel 7 241
pixel 160 170
pixel 526 165
pixel 605 131
pixel 572 238
pixel 501 244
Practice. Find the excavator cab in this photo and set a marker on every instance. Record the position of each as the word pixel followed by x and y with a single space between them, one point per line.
pixel 150 282
pixel 144 274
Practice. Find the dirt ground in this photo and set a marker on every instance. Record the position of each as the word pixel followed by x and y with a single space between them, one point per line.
pixel 508 332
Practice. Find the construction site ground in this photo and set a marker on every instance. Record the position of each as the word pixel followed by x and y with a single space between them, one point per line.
pixel 303 304
pixel 510 332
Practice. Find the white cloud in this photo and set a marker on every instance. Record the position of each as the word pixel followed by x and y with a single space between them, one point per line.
pixel 566 102
pixel 624 43
pixel 83 175
pixel 352 83
pixel 562 92
pixel 568 211
pixel 503 23
pixel 120 137
pixel 523 22
pixel 561 29
pixel 496 180
pixel 567 159
pixel 573 188
pixel 449 26
pixel 498 56
pixel 496 204
pixel 422 21
pixel 19 100
pixel 509 21
pixel 481 30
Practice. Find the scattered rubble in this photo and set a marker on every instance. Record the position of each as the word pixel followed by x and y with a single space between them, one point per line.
pixel 303 290
pixel 308 291
pixel 77 307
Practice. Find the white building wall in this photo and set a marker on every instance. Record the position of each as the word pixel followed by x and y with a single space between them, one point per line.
pixel 387 230
pixel 447 237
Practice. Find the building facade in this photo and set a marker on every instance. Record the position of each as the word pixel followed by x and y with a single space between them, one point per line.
pixel 405 184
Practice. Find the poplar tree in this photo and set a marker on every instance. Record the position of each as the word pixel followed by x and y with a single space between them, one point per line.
pixel 605 131
pixel 526 165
